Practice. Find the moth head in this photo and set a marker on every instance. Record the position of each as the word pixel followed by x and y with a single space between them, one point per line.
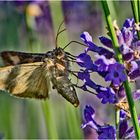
pixel 59 53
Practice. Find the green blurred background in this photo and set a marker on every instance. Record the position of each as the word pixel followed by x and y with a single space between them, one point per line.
pixel 31 26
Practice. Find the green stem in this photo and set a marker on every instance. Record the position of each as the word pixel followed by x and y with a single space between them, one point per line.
pixel 119 58
pixel 50 121
pixel 117 116
pixel 136 10
pixel 139 9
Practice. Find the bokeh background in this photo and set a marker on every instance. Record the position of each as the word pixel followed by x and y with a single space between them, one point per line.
pixel 31 26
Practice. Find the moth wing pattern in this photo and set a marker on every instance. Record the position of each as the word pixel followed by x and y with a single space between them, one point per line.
pixel 25 80
pixel 14 58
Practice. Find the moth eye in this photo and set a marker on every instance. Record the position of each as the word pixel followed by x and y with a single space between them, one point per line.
pixel 53 87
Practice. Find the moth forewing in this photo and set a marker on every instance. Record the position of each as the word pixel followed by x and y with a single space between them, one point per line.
pixel 14 58
pixel 25 80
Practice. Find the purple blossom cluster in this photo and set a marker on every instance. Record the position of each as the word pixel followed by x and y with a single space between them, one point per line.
pixel 107 131
pixel 107 66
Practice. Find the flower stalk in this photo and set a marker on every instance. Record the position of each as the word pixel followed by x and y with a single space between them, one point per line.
pixel 119 58
pixel 135 8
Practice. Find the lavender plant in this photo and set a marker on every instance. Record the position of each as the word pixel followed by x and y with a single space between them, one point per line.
pixel 106 64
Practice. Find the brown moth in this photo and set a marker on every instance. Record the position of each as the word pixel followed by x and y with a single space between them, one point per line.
pixel 29 75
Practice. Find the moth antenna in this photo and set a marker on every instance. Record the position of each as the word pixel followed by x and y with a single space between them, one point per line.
pixel 58 32
pixel 73 42
pixel 57 36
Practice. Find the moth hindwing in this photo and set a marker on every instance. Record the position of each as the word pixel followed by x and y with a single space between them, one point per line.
pixel 29 75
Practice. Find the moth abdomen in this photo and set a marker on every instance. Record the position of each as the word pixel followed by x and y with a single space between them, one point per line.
pixel 64 87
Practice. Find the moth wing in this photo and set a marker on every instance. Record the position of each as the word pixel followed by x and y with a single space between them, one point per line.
pixel 25 80
pixel 14 58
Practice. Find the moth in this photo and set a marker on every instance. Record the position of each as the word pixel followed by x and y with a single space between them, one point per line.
pixel 29 75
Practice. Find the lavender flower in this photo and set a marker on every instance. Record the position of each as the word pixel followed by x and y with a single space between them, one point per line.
pixel 93 47
pixel 106 41
pixel 125 132
pixel 116 74
pixel 102 62
pixel 84 60
pixel 103 131
pixel 106 94
pixel 106 64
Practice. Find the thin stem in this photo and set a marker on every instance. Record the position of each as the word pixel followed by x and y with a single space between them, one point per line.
pixel 117 115
pixel 119 58
pixel 135 9
pixel 139 9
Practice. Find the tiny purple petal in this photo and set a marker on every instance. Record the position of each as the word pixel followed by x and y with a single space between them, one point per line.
pixel 136 94
pixel 84 60
pixel 134 66
pixel 128 56
pixel 89 114
pixel 125 49
pixel 102 62
pixel 106 41
pixel 106 94
pixel 129 23
pixel 106 132
pixel 116 74
pixel 85 36
pixel 123 128
pixel 122 114
pixel 134 74
pixel 120 38
pixel 84 75
pixel 127 35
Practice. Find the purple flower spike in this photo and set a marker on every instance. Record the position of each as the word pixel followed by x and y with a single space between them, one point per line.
pixel 125 132
pixel 106 132
pixel 116 74
pixel 106 41
pixel 106 94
